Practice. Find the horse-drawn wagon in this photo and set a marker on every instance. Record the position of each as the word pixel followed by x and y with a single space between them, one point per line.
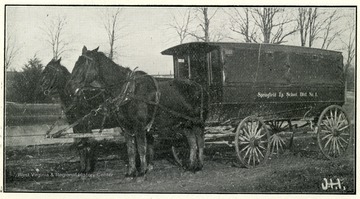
pixel 260 93
pixel 252 95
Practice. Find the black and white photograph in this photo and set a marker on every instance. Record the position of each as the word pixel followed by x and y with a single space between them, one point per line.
pixel 179 99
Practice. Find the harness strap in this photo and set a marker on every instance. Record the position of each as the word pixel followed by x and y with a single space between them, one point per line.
pixel 105 116
pixel 177 114
pixel 93 112
pixel 157 101
pixel 58 134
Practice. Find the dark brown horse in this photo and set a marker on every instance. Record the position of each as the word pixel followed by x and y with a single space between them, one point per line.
pixel 139 104
pixel 54 79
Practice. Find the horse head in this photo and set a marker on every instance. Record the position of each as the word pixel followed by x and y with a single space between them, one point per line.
pixel 95 71
pixel 53 77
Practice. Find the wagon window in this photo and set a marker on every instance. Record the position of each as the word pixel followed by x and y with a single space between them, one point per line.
pixel 315 69
pixel 181 64
pixel 198 67
pixel 214 67
pixel 240 66
pixel 273 68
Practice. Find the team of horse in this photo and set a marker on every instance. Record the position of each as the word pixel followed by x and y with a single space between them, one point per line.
pixel 132 100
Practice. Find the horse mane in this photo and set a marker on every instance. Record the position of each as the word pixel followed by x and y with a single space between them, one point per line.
pixel 110 72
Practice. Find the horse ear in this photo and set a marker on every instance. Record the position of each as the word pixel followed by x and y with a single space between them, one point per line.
pixel 84 50
pixel 59 60
pixel 96 49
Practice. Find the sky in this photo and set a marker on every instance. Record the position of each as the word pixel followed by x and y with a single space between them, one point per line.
pixel 140 46
pixel 144 34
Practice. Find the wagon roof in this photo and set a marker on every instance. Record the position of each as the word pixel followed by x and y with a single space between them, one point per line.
pixel 208 46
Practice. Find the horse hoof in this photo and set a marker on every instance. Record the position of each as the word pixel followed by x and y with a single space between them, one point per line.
pixel 150 167
pixel 187 174
pixel 131 175
pixel 191 169
pixel 129 179
pixel 140 179
pixel 198 168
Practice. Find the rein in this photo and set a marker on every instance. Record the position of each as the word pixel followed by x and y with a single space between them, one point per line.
pixel 118 101
pixel 125 96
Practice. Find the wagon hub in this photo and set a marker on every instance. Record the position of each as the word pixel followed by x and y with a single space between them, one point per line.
pixel 336 132
pixel 254 142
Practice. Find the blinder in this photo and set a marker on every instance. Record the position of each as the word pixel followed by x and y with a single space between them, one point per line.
pixel 94 85
pixel 50 83
pixel 127 90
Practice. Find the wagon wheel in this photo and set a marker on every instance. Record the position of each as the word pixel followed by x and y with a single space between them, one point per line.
pixel 181 153
pixel 252 142
pixel 334 133
pixel 280 139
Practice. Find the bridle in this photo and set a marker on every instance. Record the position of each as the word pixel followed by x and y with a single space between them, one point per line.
pixel 127 93
pixel 127 84
pixel 51 88
pixel 90 62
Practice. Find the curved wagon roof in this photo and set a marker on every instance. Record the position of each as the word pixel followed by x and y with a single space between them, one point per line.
pixel 269 63
pixel 208 46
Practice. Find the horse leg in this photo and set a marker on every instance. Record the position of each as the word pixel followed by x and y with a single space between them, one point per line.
pixel 85 148
pixel 141 147
pixel 200 143
pixel 150 151
pixel 91 160
pixel 130 144
pixel 191 138
pixel 80 148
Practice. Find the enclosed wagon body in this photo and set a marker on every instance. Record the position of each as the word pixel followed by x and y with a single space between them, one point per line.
pixel 274 82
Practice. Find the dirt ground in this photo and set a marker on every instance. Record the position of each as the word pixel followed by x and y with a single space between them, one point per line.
pixel 53 168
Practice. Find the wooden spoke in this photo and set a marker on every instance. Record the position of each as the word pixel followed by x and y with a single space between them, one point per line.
pixel 246 147
pixel 255 150
pixel 333 133
pixel 279 139
pixel 262 155
pixel 326 136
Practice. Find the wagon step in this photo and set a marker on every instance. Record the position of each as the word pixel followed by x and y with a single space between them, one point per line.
pixel 219 130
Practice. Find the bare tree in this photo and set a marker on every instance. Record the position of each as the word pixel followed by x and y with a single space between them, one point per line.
pixel 241 23
pixel 112 26
pixel 330 32
pixel 271 22
pixel 303 22
pixel 55 35
pixel 315 25
pixel 180 24
pixel 349 45
pixel 203 15
pixel 11 50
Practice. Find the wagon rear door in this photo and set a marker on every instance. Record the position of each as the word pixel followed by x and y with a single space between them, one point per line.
pixel 215 78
